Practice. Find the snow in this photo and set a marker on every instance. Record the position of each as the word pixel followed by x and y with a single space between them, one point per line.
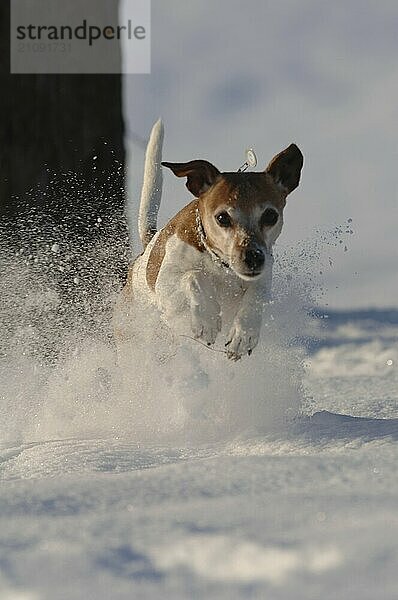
pixel 195 478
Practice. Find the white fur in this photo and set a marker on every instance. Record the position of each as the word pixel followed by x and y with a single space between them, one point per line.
pixel 153 182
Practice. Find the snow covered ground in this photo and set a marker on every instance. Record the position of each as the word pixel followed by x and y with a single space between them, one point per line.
pixel 271 478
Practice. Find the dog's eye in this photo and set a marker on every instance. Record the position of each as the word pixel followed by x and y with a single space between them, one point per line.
pixel 269 217
pixel 223 219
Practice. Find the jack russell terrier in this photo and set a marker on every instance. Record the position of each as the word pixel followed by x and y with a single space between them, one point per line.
pixel 211 265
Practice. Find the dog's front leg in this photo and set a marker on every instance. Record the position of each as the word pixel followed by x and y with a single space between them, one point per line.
pixel 245 331
pixel 188 302
pixel 204 309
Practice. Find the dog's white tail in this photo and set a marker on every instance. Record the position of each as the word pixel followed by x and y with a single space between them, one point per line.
pixel 152 185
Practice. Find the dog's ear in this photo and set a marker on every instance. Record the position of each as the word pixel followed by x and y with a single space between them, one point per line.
pixel 200 174
pixel 285 168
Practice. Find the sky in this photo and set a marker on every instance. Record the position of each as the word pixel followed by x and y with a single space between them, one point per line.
pixel 228 75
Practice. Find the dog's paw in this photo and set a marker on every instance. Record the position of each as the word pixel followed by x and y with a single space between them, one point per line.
pixel 241 340
pixel 206 323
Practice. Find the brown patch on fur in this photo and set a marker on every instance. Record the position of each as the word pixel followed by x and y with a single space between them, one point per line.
pixel 244 190
pixel 200 174
pixel 184 226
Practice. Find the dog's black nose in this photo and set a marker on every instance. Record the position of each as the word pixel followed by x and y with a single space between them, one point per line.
pixel 254 258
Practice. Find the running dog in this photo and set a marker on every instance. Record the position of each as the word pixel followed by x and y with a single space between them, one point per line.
pixel 211 265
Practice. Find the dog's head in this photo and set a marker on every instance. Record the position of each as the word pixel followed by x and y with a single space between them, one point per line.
pixel 242 213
